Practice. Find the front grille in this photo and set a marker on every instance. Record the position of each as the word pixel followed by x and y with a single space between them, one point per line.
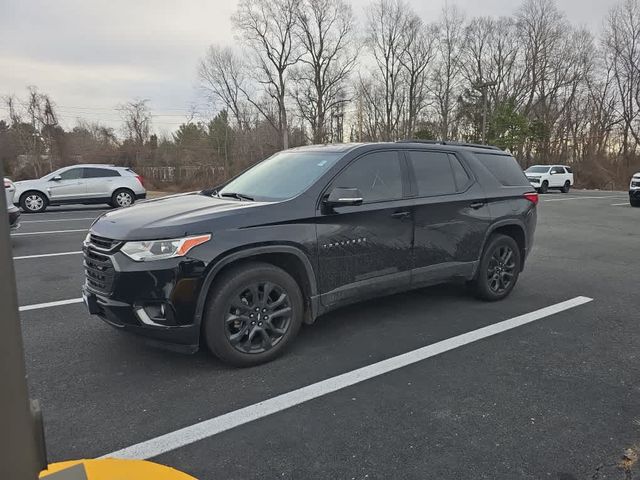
pixel 534 180
pixel 104 244
pixel 98 268
pixel 635 184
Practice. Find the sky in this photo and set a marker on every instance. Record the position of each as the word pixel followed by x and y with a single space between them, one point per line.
pixel 91 55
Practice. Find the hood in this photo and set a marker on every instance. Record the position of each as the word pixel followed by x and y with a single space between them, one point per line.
pixel 169 217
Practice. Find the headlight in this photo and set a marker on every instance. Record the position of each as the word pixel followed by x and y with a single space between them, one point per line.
pixel 161 249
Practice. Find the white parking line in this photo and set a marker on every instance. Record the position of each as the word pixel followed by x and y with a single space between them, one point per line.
pixel 208 428
pixel 619 204
pixel 59 220
pixel 581 198
pixel 37 306
pixel 42 255
pixel 47 232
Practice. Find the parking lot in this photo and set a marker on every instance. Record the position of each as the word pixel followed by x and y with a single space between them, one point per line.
pixel 551 393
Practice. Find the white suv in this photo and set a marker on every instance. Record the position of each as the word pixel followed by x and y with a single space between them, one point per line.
pixel 86 184
pixel 544 177
pixel 634 190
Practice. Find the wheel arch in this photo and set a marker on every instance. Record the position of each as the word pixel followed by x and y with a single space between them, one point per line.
pixel 290 258
pixel 513 228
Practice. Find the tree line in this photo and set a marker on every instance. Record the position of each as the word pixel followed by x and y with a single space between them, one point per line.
pixel 308 71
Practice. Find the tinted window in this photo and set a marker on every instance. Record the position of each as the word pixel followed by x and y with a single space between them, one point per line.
pixel 504 168
pixel 460 174
pixel 377 175
pixel 557 170
pixel 539 169
pixel 71 174
pixel 100 172
pixel 283 175
pixel 568 170
pixel 433 172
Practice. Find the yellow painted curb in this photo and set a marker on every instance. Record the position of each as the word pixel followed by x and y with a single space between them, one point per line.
pixel 113 469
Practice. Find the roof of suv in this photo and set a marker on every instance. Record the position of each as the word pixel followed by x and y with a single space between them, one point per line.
pixel 346 147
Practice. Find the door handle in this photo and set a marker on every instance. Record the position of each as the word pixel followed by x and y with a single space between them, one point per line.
pixel 477 205
pixel 401 215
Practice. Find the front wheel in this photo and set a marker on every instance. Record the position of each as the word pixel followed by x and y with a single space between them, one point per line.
pixel 33 202
pixel 122 198
pixel 634 202
pixel 499 268
pixel 544 187
pixel 566 187
pixel 253 313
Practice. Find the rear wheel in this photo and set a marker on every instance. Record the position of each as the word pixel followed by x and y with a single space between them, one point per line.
pixel 33 202
pixel 499 268
pixel 254 312
pixel 566 187
pixel 122 197
pixel 544 187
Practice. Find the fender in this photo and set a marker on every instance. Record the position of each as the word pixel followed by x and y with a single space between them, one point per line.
pixel 250 252
pixel 492 228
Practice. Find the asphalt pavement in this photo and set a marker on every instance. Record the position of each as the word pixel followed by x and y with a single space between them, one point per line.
pixel 558 397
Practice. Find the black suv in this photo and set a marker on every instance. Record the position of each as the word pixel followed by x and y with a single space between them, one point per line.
pixel 241 267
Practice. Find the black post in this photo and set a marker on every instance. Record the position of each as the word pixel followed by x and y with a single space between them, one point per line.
pixel 21 454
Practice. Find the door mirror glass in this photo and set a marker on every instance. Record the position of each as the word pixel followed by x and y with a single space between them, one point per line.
pixel 57 178
pixel 342 197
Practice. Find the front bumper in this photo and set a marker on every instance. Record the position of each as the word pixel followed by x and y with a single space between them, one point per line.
pixel 634 194
pixel 155 300
pixel 535 182
pixel 14 217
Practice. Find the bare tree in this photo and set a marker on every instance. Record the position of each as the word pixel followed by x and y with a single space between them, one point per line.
pixel 137 120
pixel 418 51
pixel 446 78
pixel 326 33
pixel 222 74
pixel 267 26
pixel 621 40
pixel 387 21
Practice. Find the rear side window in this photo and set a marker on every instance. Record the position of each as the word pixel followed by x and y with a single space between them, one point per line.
pixel 377 175
pixel 100 173
pixel 568 170
pixel 434 175
pixel 504 168
pixel 557 170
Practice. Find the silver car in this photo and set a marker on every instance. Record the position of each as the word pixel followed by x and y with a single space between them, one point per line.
pixel 85 184
pixel 12 211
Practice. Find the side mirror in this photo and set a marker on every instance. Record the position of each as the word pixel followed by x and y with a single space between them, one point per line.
pixel 57 178
pixel 343 197
pixel 552 173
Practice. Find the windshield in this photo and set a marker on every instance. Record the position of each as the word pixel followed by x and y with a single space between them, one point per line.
pixel 281 176
pixel 537 169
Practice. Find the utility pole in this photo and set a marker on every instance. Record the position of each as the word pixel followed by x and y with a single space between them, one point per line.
pixel 482 87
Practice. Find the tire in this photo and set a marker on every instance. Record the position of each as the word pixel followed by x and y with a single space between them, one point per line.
pixel 33 202
pixel 634 202
pixel 123 197
pixel 566 187
pixel 232 297
pixel 487 278
pixel 544 187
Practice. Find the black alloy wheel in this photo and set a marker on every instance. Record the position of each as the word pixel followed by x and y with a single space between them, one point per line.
pixel 253 312
pixel 501 269
pixel 258 317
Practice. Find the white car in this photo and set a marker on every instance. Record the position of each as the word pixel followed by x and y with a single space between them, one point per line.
pixel 86 184
pixel 634 190
pixel 12 211
pixel 545 177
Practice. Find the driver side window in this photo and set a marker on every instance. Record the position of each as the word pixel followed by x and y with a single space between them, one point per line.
pixel 71 174
pixel 377 175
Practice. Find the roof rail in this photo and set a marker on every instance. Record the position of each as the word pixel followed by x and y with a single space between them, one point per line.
pixel 455 144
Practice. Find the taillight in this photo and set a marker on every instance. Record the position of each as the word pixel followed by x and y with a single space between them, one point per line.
pixel 532 197
pixel 140 179
pixel 7 183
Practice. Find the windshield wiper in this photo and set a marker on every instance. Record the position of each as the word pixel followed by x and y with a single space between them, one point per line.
pixel 239 196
